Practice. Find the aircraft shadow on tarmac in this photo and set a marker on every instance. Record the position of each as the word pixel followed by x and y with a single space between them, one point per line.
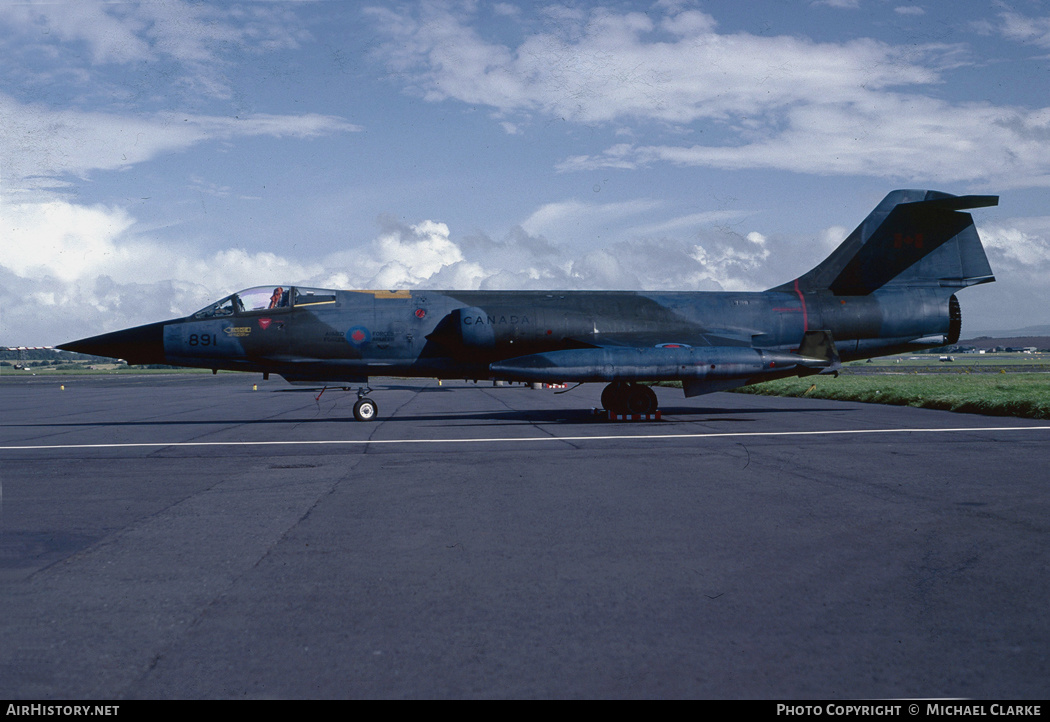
pixel 378 387
pixel 532 416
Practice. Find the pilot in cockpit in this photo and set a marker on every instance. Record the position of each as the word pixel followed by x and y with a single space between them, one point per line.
pixel 279 298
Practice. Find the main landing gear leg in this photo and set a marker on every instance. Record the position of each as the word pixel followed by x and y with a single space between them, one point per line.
pixel 365 409
pixel 622 397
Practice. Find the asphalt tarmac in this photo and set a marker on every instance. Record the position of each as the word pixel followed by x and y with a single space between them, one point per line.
pixel 186 536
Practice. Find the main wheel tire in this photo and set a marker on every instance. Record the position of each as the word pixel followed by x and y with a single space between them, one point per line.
pixel 612 396
pixel 365 410
pixel 653 399
pixel 615 397
pixel 641 399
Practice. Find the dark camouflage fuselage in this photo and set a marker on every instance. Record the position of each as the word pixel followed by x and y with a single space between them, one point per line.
pixel 459 334
pixel 888 288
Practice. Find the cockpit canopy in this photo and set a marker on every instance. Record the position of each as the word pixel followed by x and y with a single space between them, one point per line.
pixel 264 298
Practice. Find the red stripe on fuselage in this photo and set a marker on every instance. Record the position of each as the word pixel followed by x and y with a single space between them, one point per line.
pixel 802 300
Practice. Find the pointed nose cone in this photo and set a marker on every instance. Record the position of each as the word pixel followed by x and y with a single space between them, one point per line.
pixel 139 345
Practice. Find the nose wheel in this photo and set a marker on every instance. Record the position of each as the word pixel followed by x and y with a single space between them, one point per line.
pixel 629 398
pixel 365 409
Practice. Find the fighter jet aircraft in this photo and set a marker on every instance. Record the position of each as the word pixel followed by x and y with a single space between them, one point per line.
pixel 888 288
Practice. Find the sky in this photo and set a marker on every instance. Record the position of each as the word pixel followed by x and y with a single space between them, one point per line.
pixel 158 155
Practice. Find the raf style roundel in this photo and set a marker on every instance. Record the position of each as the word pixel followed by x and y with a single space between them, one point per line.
pixel 358 335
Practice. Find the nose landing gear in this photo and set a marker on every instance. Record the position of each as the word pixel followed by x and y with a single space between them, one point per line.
pixel 365 409
pixel 622 397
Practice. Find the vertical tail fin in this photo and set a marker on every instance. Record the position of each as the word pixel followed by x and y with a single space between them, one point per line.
pixel 914 238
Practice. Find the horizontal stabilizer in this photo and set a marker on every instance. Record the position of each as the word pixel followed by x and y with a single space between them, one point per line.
pixel 957 203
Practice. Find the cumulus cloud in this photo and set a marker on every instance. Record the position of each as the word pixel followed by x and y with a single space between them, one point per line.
pixel 71 270
pixel 1019 246
pixel 733 261
pixel 401 256
pixel 60 239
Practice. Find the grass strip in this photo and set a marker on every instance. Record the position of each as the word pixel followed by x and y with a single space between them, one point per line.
pixel 1025 395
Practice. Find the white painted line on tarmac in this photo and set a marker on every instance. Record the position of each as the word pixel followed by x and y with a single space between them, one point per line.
pixel 533 439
